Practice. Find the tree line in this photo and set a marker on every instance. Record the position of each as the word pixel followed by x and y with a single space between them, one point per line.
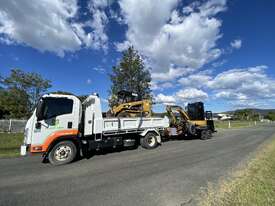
pixel 20 91
pixel 250 114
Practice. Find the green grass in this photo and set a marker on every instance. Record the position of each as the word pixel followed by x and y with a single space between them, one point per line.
pixel 236 124
pixel 253 184
pixel 10 144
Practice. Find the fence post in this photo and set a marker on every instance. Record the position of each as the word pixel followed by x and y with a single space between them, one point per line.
pixel 10 126
pixel 229 124
pixel 255 123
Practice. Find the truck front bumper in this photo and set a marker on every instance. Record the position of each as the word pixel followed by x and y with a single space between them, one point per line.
pixel 24 150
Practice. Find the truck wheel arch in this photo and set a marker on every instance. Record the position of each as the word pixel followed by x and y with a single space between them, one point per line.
pixel 63 138
pixel 62 153
pixel 71 138
pixel 145 132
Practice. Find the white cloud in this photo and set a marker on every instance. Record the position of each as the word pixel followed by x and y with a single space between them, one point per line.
pixel 182 96
pixel 161 86
pixel 165 36
pixel 122 46
pixel 165 99
pixel 234 78
pixel 99 70
pixel 240 86
pixel 89 81
pixel 229 95
pixel 219 63
pixel 244 84
pixel 171 74
pixel 236 44
pixel 99 23
pixel 195 80
pixel 51 25
pixel 191 95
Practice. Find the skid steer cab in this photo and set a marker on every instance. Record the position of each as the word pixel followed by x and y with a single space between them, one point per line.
pixel 62 127
pixel 130 105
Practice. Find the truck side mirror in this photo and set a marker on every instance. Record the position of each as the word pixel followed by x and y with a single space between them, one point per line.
pixel 37 125
pixel 40 110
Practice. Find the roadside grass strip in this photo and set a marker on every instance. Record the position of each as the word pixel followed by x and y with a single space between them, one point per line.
pixel 10 144
pixel 237 124
pixel 251 184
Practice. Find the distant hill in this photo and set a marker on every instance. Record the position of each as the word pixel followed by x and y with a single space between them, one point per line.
pixel 262 112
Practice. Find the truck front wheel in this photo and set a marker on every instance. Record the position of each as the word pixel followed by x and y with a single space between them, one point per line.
pixel 63 153
pixel 149 141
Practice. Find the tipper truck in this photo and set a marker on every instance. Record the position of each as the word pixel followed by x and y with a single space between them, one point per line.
pixel 61 127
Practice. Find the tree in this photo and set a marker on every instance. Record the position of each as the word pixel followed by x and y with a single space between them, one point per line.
pixel 20 92
pixel 13 103
pixel 130 75
pixel 270 116
pixel 31 83
pixel 62 92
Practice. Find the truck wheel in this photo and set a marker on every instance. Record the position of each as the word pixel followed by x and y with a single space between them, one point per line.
pixel 204 135
pixel 149 141
pixel 191 129
pixel 63 153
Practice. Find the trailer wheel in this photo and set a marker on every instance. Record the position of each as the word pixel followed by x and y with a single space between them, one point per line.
pixel 149 141
pixel 63 153
pixel 204 135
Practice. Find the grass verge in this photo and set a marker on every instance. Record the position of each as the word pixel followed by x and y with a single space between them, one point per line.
pixel 236 124
pixel 252 184
pixel 10 144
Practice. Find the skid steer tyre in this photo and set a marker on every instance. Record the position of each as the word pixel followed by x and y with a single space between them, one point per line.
pixel 204 135
pixel 63 153
pixel 149 141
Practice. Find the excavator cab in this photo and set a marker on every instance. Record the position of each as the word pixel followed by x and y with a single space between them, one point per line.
pixel 130 105
pixel 180 121
pixel 199 117
pixel 192 120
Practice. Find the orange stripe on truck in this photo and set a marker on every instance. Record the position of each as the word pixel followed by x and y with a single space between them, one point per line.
pixel 52 137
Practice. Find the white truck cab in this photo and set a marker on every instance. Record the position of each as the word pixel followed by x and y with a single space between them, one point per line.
pixel 61 126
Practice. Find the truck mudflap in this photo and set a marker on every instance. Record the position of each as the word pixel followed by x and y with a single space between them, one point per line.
pixel 152 130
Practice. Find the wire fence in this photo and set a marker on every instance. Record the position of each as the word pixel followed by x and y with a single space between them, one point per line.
pixel 12 125
pixel 228 124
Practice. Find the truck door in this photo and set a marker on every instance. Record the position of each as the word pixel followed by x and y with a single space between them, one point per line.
pixel 53 115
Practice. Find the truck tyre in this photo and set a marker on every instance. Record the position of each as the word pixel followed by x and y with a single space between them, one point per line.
pixel 204 134
pixel 210 135
pixel 63 153
pixel 149 141
pixel 191 129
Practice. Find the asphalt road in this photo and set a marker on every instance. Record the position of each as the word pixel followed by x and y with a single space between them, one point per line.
pixel 172 174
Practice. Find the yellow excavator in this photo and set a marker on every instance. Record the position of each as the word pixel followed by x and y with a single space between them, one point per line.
pixel 192 121
pixel 130 106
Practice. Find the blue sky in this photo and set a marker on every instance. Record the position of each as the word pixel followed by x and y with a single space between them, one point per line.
pixel 220 52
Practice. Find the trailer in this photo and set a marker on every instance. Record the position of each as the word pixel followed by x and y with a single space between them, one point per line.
pixel 61 127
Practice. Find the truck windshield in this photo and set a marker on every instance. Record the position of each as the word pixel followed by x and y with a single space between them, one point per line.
pixel 56 106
